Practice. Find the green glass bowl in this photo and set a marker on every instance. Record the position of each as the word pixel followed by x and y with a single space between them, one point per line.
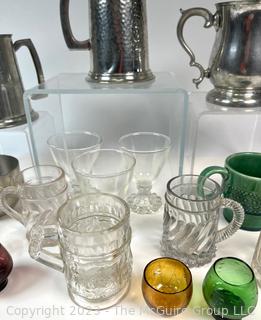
pixel 230 289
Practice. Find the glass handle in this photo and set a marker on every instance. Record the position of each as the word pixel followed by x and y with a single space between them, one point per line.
pixel 5 207
pixel 209 22
pixel 41 239
pixel 237 220
pixel 36 60
pixel 71 41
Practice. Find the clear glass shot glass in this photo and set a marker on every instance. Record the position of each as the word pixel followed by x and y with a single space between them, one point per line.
pixel 66 146
pixel 191 218
pixel 167 286
pixel 230 289
pixel 104 170
pixel 93 235
pixel 150 150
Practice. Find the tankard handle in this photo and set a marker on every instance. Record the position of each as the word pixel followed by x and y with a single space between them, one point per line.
pixel 43 238
pixel 237 209
pixel 209 22
pixel 36 60
pixel 70 40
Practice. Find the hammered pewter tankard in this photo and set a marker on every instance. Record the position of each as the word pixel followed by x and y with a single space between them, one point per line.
pixel 235 63
pixel 11 87
pixel 118 41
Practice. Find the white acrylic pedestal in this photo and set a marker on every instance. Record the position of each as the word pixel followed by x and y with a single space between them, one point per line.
pixel 214 132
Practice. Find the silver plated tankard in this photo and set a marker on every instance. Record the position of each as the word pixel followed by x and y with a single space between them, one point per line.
pixel 235 63
pixel 118 41
pixel 11 87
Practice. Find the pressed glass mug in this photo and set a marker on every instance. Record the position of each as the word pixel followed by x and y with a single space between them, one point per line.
pixel 167 286
pixel 39 189
pixel 191 215
pixel 93 235
pixel 230 289
pixel 242 183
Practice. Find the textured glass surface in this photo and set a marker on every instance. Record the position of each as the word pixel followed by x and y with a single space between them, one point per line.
pixel 230 288
pixel 191 215
pixel 167 286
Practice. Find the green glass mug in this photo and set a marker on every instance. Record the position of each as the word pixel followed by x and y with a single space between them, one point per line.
pixel 242 183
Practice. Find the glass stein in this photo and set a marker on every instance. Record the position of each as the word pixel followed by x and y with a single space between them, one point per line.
pixel 191 215
pixel 39 189
pixel 93 237
pixel 256 262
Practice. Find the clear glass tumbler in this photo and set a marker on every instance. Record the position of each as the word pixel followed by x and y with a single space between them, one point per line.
pixel 40 189
pixel 150 150
pixel 93 235
pixel 66 146
pixel 191 216
pixel 104 170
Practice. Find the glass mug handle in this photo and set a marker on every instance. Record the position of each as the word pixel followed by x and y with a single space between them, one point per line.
pixel 41 238
pixel 71 41
pixel 5 207
pixel 237 209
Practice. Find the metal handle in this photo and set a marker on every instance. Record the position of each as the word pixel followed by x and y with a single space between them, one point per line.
pixel 209 22
pixel 36 60
pixel 70 40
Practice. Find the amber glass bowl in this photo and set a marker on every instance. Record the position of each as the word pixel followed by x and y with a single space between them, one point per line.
pixel 167 286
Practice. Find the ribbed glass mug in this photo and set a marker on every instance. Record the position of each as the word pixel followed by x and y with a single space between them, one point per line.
pixel 39 189
pixel 93 236
pixel 191 215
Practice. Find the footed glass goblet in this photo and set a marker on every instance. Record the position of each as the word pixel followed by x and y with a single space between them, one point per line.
pixel 230 289
pixel 150 150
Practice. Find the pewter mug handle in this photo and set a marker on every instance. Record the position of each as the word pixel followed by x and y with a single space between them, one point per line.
pixel 36 60
pixel 209 22
pixel 71 41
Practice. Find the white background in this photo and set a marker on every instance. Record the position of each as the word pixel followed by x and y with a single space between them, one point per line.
pixel 34 286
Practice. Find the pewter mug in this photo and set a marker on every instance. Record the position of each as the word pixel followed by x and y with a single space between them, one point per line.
pixel 118 41
pixel 11 87
pixel 235 63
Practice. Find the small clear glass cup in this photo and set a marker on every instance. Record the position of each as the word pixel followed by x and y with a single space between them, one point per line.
pixel 150 150
pixel 104 170
pixel 230 289
pixel 191 218
pixel 167 286
pixel 66 146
